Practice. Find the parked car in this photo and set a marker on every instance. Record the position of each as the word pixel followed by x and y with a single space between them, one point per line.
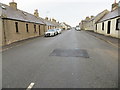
pixel 56 32
pixel 51 32
pixel 68 28
pixel 77 28
pixel 59 30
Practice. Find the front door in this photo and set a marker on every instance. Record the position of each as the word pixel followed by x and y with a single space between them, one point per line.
pixel 109 25
pixel 39 30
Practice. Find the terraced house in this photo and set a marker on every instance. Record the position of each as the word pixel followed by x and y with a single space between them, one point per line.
pixel 18 25
pixel 106 22
pixel 110 24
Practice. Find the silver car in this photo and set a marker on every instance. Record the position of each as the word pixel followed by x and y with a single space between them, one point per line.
pixel 51 32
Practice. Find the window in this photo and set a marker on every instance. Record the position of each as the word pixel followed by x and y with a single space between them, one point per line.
pixel 103 26
pixel 118 24
pixel 24 13
pixel 3 7
pixel 16 25
pixel 34 28
pixel 27 28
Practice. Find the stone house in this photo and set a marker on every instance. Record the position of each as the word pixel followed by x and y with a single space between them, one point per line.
pixel 84 25
pixel 16 25
pixel 89 22
pixel 19 25
pixel 49 24
pixel 65 26
pixel 57 24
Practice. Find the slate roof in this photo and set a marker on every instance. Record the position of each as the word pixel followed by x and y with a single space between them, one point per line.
pixel 56 24
pixel 105 12
pixel 110 15
pixel 49 23
pixel 67 25
pixel 10 13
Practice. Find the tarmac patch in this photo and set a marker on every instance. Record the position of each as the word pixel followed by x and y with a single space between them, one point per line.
pixel 70 53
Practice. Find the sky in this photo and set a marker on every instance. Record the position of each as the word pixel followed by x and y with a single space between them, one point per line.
pixel 69 11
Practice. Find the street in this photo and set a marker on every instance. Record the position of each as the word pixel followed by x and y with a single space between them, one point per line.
pixel 33 62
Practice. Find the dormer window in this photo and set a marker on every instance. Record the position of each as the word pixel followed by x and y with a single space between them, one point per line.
pixel 24 13
pixel 3 7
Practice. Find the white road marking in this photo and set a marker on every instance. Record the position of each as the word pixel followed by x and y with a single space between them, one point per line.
pixel 30 86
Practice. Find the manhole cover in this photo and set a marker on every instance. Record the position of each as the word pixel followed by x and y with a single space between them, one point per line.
pixel 70 53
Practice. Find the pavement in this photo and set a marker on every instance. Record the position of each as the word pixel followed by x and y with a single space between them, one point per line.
pixel 16 44
pixel 47 62
pixel 112 40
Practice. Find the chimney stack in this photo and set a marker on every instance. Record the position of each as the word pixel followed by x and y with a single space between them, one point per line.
pixel 87 18
pixel 92 17
pixel 46 18
pixel 114 6
pixel 50 19
pixel 53 20
pixel 13 4
pixel 36 13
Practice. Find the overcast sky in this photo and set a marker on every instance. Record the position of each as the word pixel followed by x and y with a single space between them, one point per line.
pixel 69 11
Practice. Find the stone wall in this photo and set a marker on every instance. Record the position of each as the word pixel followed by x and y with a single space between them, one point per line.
pixel 12 36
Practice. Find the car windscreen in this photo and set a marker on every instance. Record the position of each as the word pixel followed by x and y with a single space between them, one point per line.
pixel 51 30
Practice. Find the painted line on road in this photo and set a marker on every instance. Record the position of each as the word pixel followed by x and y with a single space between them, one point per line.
pixel 30 86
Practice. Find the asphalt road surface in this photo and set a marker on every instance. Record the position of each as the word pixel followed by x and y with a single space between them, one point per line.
pixel 33 62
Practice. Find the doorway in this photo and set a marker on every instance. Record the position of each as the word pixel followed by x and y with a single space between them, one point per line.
pixel 109 25
pixel 39 30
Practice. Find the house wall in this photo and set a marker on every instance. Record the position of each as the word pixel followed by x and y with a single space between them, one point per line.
pixel 113 31
pixel 82 26
pixel 86 25
pixel 43 29
pixel 98 17
pixel 46 28
pixel 91 26
pixel 11 34
pixel 1 33
pixel 101 15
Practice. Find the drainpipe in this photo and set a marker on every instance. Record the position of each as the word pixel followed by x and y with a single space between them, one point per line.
pixel 4 32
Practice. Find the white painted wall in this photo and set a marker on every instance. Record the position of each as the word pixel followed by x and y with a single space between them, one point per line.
pixel 1 32
pixel 113 31
pixel 0 48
